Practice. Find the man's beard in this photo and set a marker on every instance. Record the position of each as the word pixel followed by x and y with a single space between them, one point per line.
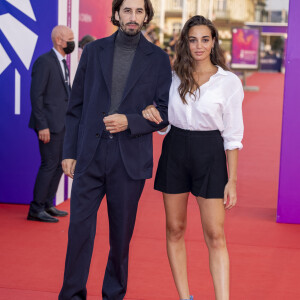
pixel 129 31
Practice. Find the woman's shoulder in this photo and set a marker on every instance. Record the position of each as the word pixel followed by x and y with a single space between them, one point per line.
pixel 174 85
pixel 230 77
pixel 174 75
pixel 175 78
pixel 227 73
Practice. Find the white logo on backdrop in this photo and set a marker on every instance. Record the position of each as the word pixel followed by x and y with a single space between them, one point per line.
pixel 22 40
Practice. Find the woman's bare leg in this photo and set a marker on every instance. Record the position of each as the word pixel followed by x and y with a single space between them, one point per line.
pixel 176 215
pixel 212 217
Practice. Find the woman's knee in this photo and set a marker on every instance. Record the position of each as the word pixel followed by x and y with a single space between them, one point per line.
pixel 175 231
pixel 215 238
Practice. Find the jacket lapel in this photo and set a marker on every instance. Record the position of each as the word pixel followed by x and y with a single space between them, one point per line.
pixel 60 71
pixel 106 55
pixel 140 62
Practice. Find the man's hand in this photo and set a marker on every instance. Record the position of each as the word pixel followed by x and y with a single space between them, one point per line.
pixel 68 166
pixel 116 123
pixel 44 135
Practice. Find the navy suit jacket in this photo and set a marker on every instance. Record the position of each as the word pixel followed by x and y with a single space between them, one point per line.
pixel 148 82
pixel 48 93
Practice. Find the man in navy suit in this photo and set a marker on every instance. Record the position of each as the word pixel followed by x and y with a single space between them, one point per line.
pixel 49 93
pixel 110 143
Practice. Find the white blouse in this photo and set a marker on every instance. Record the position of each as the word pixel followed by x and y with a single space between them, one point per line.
pixel 218 106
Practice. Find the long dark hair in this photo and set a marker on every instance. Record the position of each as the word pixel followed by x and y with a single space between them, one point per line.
pixel 116 4
pixel 184 63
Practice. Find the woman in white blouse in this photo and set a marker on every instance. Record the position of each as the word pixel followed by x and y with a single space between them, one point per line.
pixel 205 116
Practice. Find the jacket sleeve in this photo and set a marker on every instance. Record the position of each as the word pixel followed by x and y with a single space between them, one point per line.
pixel 136 122
pixel 74 111
pixel 39 80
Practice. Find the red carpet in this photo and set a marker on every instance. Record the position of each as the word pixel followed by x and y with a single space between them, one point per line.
pixel 265 256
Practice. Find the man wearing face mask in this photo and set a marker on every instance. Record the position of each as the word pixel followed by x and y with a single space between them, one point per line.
pixel 50 91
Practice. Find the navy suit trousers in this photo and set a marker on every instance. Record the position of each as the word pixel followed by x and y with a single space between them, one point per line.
pixel 105 175
pixel 49 174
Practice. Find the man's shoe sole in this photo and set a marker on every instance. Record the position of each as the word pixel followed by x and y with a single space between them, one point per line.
pixel 55 215
pixel 31 218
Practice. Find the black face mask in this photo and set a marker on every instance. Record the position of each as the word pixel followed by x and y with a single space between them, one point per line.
pixel 70 47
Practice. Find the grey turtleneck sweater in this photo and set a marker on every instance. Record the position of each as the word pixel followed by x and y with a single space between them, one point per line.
pixel 124 52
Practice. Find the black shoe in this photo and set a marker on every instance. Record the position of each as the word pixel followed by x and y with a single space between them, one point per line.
pixel 41 216
pixel 55 212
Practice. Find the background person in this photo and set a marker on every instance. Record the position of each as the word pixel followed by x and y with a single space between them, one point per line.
pixel 205 113
pixel 49 94
pixel 173 41
pixel 84 41
pixel 150 33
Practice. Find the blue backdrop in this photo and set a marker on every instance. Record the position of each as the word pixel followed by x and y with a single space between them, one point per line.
pixel 19 155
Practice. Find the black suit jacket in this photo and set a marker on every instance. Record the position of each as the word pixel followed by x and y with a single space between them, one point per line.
pixel 49 94
pixel 148 82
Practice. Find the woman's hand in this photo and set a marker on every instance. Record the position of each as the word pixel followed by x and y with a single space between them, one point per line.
pixel 152 114
pixel 230 197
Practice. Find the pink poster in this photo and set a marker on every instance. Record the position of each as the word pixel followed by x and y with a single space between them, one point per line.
pixel 245 48
pixel 94 18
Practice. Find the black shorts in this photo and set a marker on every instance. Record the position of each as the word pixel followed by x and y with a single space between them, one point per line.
pixel 192 161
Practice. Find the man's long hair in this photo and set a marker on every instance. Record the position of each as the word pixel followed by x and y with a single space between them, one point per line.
pixel 116 4
pixel 184 63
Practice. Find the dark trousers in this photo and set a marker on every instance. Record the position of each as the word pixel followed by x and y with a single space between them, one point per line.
pixel 106 174
pixel 49 173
